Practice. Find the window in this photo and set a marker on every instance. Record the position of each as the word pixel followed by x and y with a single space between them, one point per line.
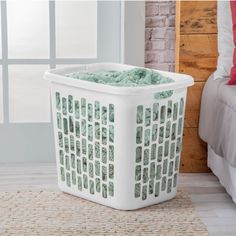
pixel 71 42
pixel 28 29
pixel 38 35
pixel 28 94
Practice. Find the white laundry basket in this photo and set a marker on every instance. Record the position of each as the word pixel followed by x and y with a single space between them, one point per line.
pixel 118 146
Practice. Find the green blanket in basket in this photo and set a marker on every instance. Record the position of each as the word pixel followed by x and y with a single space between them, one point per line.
pixel 136 77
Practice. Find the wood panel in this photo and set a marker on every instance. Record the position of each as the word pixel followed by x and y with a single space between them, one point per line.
pixel 199 68
pixel 196 55
pixel 193 104
pixel 198 46
pixel 198 17
pixel 177 34
pixel 193 157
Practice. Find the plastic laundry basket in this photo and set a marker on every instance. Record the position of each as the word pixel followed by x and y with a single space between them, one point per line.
pixel 118 146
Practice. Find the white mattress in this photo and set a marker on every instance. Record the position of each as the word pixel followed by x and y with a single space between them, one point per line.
pixel 217 124
pixel 217 127
pixel 224 171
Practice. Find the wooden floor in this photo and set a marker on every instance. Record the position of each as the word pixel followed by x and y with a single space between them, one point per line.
pixel 214 206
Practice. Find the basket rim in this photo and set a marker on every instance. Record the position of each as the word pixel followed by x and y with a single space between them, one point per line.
pixel 57 76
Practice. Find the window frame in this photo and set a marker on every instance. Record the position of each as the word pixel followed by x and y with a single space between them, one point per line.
pixel 34 142
pixel 112 54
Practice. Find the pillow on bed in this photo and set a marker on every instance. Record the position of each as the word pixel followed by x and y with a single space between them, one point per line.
pixel 233 69
pixel 225 39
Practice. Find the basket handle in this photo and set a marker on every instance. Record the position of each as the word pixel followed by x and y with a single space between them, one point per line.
pixel 163 95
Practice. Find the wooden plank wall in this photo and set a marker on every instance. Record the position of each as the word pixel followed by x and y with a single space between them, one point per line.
pixel 196 55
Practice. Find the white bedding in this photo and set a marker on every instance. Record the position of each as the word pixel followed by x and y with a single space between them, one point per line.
pixel 217 127
pixel 224 171
pixel 225 39
pixel 217 124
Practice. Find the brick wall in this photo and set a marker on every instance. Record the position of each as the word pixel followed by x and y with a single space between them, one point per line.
pixel 160 35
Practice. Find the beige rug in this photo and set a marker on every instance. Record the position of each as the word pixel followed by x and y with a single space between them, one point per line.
pixel 50 213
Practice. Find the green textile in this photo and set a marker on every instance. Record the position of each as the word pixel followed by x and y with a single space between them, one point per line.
pixel 136 77
pixel 165 94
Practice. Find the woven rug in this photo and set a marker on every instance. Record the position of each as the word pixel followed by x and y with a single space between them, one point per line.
pixel 52 213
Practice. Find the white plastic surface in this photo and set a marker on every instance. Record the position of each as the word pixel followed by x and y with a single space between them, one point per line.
pixel 153 189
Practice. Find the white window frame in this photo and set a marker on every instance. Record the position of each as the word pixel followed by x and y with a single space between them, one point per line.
pixel 33 142
pixel 133 32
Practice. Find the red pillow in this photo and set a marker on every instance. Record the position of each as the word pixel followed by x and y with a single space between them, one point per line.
pixel 233 69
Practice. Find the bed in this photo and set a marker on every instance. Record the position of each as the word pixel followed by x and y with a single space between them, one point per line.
pixel 217 127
